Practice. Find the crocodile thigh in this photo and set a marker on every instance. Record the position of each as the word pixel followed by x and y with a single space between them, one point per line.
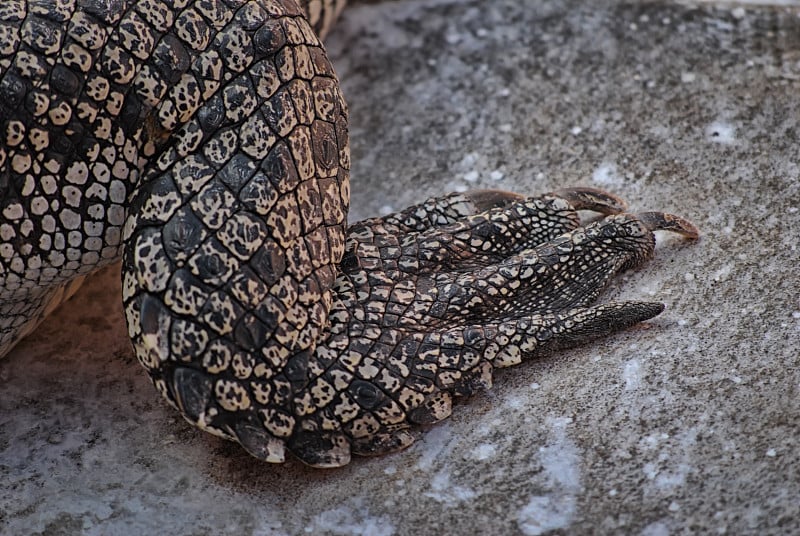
pixel 91 94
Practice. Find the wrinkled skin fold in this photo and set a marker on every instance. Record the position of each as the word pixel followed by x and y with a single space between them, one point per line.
pixel 206 143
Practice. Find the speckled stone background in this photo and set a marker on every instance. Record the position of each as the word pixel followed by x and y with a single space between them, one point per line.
pixel 688 424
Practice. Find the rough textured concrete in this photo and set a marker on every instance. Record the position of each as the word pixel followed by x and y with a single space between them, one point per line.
pixel 689 424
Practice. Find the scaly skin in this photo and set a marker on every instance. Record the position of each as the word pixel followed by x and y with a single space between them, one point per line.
pixel 208 139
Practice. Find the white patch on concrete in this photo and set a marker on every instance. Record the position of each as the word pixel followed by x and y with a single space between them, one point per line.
pixel 561 466
pixel 650 471
pixel 651 441
pixel 672 464
pixel 469 160
pixel 434 445
pixel 453 38
pixel 483 451
pixel 632 375
pixel 606 174
pixel 723 272
pixel 657 528
pixel 673 478
pixel 771 453
pixel 721 132
pixel 350 520
pixel 436 449
pixel 445 492
pixel 515 402
pixel 545 513
pixel 471 176
pixel 473 166
pixel 738 12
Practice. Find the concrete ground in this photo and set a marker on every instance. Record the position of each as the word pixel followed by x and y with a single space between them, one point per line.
pixel 688 424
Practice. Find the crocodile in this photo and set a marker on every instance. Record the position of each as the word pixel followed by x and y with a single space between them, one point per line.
pixel 205 143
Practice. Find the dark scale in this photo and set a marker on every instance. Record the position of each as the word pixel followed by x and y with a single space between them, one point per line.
pixel 207 145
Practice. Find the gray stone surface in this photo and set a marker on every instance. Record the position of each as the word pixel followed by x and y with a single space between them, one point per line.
pixel 688 424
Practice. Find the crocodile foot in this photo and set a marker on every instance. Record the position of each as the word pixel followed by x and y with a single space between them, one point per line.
pixel 428 302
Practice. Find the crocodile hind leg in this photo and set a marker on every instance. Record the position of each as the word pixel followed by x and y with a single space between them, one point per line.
pixel 405 341
pixel 412 325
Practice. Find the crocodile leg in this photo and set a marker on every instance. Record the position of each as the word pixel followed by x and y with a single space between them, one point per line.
pixel 405 351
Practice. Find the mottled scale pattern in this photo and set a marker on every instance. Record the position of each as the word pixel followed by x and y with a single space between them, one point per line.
pixel 206 142
pixel 94 94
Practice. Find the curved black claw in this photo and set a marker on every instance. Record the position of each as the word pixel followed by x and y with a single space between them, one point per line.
pixel 592 199
pixel 660 221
